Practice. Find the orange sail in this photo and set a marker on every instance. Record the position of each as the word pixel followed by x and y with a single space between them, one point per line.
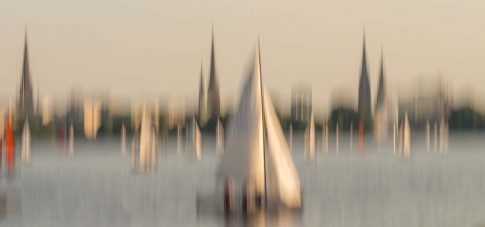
pixel 10 145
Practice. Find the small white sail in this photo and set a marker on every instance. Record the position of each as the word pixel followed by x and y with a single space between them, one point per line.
pixel 406 138
pixel 394 136
pixel 71 140
pixel 196 139
pixel 145 139
pixel 219 137
pixel 351 136
pixel 25 154
pixel 179 138
pixel 336 138
pixel 435 133
pixel 428 137
pixel 244 159
pixel 123 139
pixel 326 138
pixel 92 118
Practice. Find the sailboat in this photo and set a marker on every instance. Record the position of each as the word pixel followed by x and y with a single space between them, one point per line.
pixel 406 138
pixel 196 139
pixel 219 137
pixel 310 138
pixel 257 158
pixel 25 152
pixel 123 139
pixel 147 142
pixel 71 140
pixel 92 118
pixel 428 137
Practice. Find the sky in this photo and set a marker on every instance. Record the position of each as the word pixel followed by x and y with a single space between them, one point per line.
pixel 156 47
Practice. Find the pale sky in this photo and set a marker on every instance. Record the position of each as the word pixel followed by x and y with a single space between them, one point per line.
pixel 136 47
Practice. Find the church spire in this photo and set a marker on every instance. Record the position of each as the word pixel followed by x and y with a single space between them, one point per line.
pixel 26 104
pixel 202 97
pixel 364 104
pixel 381 92
pixel 213 98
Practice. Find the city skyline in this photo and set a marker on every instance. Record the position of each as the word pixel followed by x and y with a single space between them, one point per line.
pixel 82 53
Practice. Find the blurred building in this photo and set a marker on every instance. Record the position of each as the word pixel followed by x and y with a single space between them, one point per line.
pixel 364 104
pixel 428 105
pixel 213 96
pixel 26 102
pixel 301 104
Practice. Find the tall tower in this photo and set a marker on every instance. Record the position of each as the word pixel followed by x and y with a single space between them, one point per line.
pixel 25 102
pixel 381 90
pixel 213 98
pixel 364 107
pixel 202 99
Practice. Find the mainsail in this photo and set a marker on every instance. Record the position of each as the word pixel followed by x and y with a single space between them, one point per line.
pixel 25 154
pixel 256 149
pixel 406 138
pixel 219 137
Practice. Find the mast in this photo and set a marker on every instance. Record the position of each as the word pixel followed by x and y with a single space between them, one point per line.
pixel 264 126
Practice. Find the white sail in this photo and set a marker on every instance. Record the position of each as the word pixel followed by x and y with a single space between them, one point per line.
pixel 145 139
pixel 196 139
pixel 25 154
pixel 123 139
pixel 336 138
pixel 219 137
pixel 406 138
pixel 71 140
pixel 92 118
pixel 428 137
pixel 283 178
pixel 2 123
pixel 244 157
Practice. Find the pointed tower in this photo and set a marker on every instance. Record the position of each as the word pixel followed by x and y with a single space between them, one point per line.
pixel 381 91
pixel 364 107
pixel 25 102
pixel 213 98
pixel 202 99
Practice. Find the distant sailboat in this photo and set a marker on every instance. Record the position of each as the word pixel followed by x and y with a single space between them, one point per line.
pixel 219 137
pixel 71 140
pixel 428 137
pixel 123 139
pixel 310 139
pixel 147 142
pixel 196 139
pixel 179 138
pixel 326 139
pixel 25 153
pixel 257 157
pixel 406 138
pixel 351 136
pixel 92 118
pixel 336 138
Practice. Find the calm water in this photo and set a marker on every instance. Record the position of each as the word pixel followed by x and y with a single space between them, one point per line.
pixel 95 187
